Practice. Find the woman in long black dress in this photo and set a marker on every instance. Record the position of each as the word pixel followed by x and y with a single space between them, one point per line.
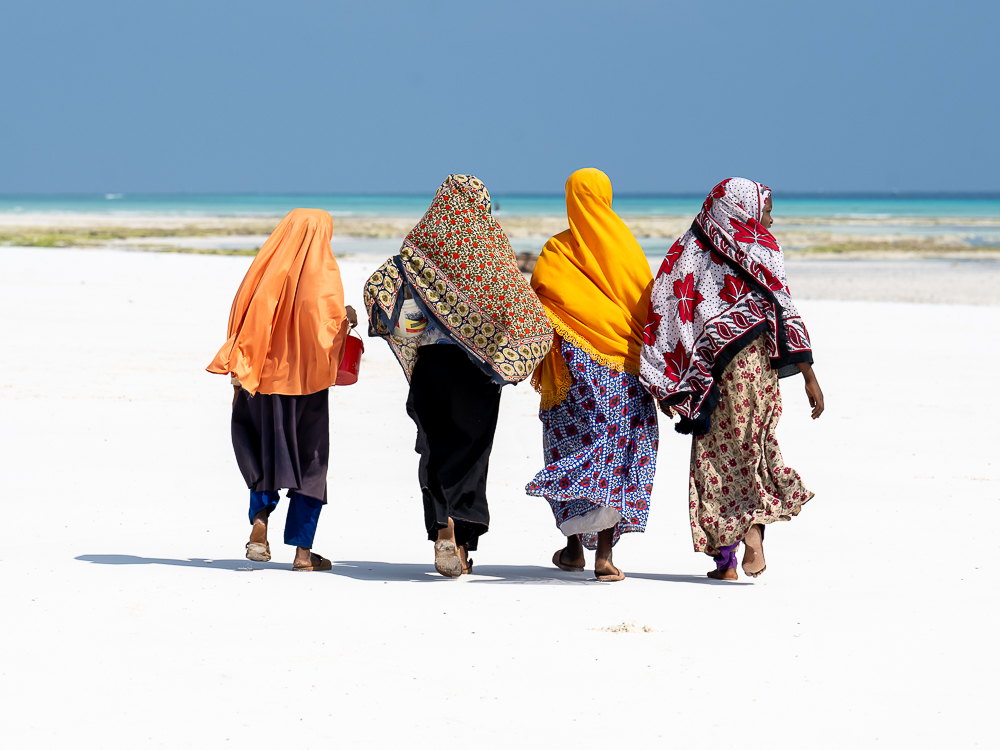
pixel 463 322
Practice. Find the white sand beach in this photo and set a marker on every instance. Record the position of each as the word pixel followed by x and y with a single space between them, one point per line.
pixel 131 619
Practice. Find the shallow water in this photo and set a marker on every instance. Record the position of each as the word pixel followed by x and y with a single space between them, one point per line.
pixel 834 207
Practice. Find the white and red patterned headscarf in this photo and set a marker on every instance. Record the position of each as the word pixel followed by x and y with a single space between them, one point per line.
pixel 720 287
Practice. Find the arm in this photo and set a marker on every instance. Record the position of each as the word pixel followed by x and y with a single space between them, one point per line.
pixel 813 392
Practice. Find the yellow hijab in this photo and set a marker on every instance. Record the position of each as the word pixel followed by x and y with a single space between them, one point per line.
pixel 594 282
pixel 288 325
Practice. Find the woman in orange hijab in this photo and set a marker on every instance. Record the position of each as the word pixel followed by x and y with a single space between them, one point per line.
pixel 600 429
pixel 287 329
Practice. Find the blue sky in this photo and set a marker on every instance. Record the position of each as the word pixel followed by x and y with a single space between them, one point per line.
pixel 302 96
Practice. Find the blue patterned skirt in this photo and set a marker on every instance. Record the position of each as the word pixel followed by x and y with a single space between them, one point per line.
pixel 601 444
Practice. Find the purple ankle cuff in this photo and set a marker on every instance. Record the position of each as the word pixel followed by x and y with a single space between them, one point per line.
pixel 726 558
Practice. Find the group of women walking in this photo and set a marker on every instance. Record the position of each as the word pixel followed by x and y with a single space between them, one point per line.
pixel 603 342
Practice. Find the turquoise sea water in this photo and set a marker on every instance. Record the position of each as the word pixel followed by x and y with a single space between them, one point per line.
pixel 884 206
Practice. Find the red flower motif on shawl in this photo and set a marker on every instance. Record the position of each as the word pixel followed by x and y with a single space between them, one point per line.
pixel 719 191
pixel 734 289
pixel 677 363
pixel 753 232
pixel 652 325
pixel 772 281
pixel 688 298
pixel 667 266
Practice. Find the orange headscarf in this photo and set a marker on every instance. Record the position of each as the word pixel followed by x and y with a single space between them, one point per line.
pixel 288 325
pixel 594 282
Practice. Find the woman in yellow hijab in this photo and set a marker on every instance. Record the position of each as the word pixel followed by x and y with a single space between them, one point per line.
pixel 600 428
pixel 287 329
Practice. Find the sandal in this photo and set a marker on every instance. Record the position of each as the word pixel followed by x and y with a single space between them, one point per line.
pixel 618 575
pixel 463 555
pixel 557 561
pixel 446 559
pixel 316 562
pixel 753 555
pixel 259 552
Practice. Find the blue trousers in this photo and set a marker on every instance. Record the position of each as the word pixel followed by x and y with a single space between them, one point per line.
pixel 303 514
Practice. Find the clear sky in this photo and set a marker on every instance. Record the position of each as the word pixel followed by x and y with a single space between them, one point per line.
pixel 372 96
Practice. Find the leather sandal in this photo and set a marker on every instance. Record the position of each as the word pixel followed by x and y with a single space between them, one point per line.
pixel 463 555
pixel 618 575
pixel 316 562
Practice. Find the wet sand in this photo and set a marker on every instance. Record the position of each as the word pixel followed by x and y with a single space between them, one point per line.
pixel 898 236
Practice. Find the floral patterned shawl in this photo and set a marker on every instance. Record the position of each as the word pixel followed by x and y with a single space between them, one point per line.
pixel 461 269
pixel 720 287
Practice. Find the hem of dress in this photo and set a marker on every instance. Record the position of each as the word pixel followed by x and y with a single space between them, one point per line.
pixel 765 521
pixel 599 518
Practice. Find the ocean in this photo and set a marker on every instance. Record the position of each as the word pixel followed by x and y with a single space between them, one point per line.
pixel 884 207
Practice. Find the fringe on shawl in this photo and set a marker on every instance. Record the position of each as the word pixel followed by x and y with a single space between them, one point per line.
pixel 562 376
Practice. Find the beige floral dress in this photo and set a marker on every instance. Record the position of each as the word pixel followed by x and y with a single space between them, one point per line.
pixel 738 477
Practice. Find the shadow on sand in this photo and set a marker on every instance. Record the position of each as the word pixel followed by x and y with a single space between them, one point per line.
pixel 361 570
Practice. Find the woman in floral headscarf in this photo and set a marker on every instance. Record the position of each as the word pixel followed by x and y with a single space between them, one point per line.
pixel 600 429
pixel 463 322
pixel 722 329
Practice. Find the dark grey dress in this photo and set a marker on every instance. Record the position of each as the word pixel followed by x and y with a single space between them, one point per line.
pixel 283 442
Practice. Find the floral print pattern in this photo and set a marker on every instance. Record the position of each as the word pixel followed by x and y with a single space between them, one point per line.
pixel 738 477
pixel 719 287
pixel 461 266
pixel 601 444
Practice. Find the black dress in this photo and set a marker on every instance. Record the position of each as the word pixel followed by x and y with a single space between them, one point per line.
pixel 455 406
pixel 283 442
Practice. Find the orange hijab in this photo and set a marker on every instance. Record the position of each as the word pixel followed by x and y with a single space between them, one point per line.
pixel 288 325
pixel 594 282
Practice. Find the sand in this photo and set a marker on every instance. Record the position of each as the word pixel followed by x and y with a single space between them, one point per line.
pixel 130 618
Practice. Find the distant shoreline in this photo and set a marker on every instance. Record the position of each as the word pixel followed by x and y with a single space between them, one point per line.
pixel 805 235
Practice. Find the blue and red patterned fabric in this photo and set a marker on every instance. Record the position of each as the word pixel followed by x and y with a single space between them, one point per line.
pixel 600 444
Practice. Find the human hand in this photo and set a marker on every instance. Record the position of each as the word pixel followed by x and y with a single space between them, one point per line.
pixel 352 316
pixel 236 393
pixel 665 409
pixel 813 392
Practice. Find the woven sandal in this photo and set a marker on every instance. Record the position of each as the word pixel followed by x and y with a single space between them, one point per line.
pixel 446 559
pixel 259 552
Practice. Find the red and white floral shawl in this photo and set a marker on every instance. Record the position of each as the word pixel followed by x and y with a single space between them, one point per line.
pixel 720 287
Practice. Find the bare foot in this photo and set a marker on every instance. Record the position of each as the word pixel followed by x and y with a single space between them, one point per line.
pixel 570 558
pixel 604 568
pixel 724 574
pixel 306 559
pixel 303 557
pixel 258 532
pixel 753 555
